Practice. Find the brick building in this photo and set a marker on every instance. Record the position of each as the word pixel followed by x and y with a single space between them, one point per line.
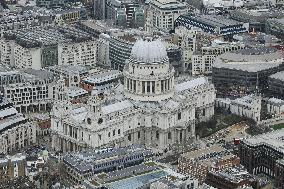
pixel 198 163
pixel 232 178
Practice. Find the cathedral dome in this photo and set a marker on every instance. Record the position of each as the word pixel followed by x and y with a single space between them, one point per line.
pixel 148 75
pixel 149 51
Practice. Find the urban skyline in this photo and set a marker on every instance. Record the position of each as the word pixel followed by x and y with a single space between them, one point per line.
pixel 129 94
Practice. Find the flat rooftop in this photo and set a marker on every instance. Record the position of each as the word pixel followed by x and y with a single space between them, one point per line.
pixel 236 174
pixel 39 74
pixel 76 91
pixel 264 54
pixel 137 181
pixel 276 101
pixel 246 101
pixel 273 139
pixel 191 84
pixel 84 161
pixel 266 13
pixel 103 77
pixel 212 20
pixel 169 4
pixel 197 154
pixel 248 66
pixel 47 36
pixel 277 20
pixel 208 156
pixel 69 69
pixel 278 76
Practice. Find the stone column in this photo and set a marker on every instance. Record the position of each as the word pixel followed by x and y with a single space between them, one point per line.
pixel 132 85
pixel 148 140
pixel 151 87
pixel 163 139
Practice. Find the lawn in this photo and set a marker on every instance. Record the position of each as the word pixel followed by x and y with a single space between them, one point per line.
pixel 278 126
pixel 150 163
pixel 217 122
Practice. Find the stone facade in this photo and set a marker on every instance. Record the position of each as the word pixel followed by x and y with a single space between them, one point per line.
pixel 156 115
pixel 16 131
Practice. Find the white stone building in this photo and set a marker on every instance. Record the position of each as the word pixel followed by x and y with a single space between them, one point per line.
pixel 103 50
pixel 150 108
pixel 6 52
pixel 187 41
pixel 162 14
pixel 41 47
pixel 16 131
pixel 247 106
pixel 202 61
pixel 275 106
pixel 80 53
pixel 35 90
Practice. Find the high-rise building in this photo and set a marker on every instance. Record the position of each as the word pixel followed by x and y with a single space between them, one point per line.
pixel 120 49
pixel 121 11
pixel 162 14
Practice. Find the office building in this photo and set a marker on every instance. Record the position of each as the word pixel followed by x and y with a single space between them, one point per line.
pixel 231 178
pixel 161 14
pixel 12 22
pixel 16 131
pixel 255 17
pixel 34 92
pixel 187 42
pixel 275 106
pixel 203 59
pixel 138 19
pixel 101 82
pixel 275 27
pixel 198 163
pixel 42 47
pixel 51 3
pixel 9 77
pixel 120 49
pixel 213 24
pixel 279 174
pixel 246 70
pixel 247 106
pixel 84 165
pixel 276 85
pixel 260 153
pixel 120 11
pixel 69 16
pixel 146 175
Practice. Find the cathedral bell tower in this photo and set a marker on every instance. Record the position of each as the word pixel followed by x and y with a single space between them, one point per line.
pixel 95 105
